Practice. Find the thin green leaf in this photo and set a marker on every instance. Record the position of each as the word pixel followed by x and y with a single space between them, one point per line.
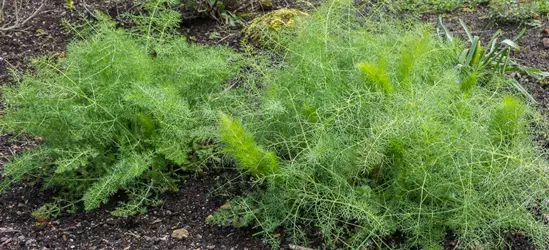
pixel 467 31
pixel 510 44
pixel 449 35
pixel 519 35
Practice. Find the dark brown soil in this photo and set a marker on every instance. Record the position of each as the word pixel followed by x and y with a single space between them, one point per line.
pixel 187 209
pixel 47 32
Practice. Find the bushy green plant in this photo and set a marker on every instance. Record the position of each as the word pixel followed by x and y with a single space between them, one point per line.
pixel 477 61
pixel 119 113
pixel 357 165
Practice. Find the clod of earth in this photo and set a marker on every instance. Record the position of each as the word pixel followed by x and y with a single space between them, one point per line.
pixel 180 234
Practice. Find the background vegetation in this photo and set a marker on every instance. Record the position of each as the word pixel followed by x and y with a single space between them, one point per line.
pixel 503 10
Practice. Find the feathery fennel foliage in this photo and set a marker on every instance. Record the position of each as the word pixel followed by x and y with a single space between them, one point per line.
pixel 241 146
pixel 114 118
pixel 357 165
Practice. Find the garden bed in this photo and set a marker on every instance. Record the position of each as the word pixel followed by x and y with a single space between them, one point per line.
pixel 197 197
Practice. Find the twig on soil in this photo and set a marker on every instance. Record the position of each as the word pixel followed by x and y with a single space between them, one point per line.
pixel 10 66
pixel 2 11
pixel 5 242
pixel 8 230
pixel 18 23
pixel 132 234
pixel 90 12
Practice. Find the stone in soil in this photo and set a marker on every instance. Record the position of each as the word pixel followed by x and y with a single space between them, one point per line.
pixel 180 234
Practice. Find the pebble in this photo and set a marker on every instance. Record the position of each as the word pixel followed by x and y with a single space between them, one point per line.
pixel 30 243
pixel 546 42
pixel 181 233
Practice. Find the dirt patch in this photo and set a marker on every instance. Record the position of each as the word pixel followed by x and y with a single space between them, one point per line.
pixel 187 209
pixel 47 32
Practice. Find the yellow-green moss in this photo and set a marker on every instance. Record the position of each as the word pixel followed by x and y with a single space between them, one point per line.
pixel 262 28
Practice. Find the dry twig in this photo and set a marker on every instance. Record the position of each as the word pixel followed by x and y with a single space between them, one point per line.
pixel 19 22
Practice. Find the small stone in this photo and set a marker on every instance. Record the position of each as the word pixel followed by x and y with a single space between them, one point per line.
pixel 545 31
pixel 211 247
pixel 30 243
pixel 546 42
pixel 296 247
pixel 181 233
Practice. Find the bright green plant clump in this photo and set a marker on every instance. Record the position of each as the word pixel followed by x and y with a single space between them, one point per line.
pixel 117 114
pixel 373 135
pixel 241 145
